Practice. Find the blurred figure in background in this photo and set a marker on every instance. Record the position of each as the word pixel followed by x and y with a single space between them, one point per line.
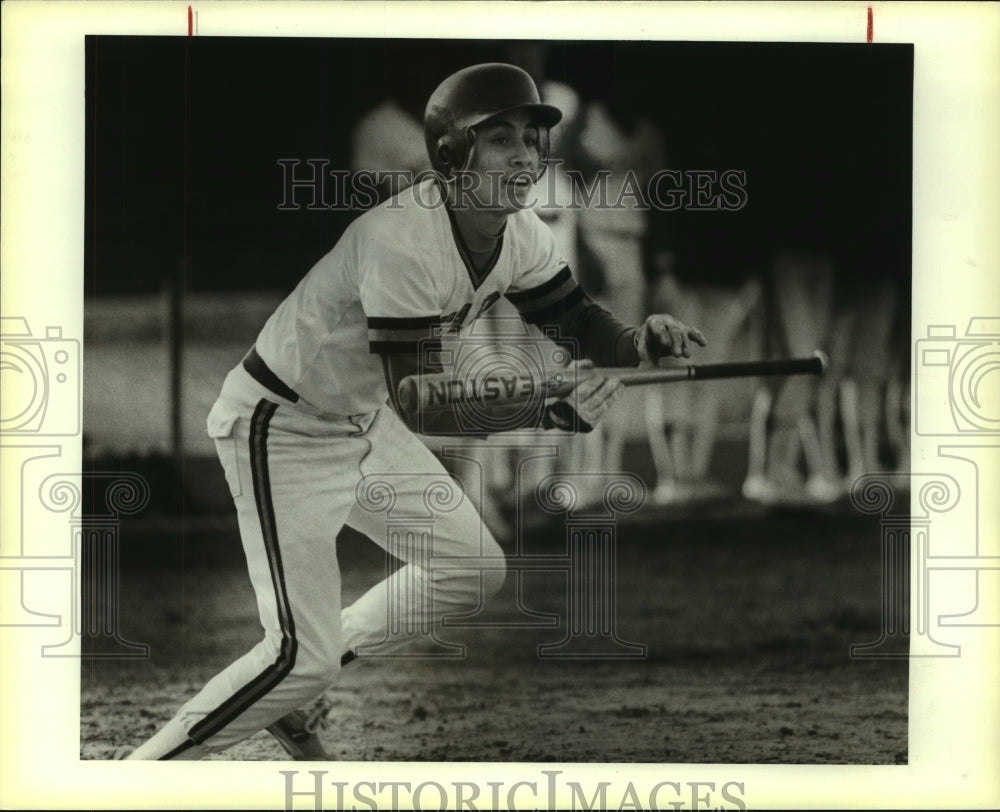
pixel 810 440
pixel 787 460
pixel 683 421
pixel 390 137
pixel 617 149
pixel 864 390
pixel 783 430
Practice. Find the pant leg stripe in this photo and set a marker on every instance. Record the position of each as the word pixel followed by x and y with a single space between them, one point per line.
pixel 279 669
pixel 177 751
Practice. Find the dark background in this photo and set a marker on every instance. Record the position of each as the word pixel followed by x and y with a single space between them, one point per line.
pixel 184 135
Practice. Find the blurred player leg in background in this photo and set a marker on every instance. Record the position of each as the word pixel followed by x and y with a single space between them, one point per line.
pixel 683 457
pixel 834 424
pixel 864 391
pixel 785 453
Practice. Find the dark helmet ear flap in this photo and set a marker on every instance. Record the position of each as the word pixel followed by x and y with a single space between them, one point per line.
pixel 445 154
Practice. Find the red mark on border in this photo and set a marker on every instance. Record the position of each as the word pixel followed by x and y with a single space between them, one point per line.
pixel 871 24
pixel 191 23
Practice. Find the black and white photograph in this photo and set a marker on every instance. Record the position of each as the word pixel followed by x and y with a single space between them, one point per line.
pixel 669 571
pixel 532 421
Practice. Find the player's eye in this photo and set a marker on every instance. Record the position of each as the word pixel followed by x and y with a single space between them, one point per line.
pixel 500 140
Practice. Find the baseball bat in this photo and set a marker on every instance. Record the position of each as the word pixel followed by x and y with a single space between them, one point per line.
pixel 440 391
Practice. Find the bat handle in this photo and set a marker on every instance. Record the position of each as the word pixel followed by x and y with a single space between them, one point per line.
pixel 816 364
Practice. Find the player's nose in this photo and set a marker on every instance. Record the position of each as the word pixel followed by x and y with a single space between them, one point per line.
pixel 522 156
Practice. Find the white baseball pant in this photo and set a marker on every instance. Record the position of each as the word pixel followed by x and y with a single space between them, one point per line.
pixel 296 477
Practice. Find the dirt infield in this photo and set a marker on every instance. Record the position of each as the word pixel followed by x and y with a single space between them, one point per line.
pixel 747 626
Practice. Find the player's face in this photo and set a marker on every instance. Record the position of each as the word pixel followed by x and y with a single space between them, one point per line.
pixel 505 162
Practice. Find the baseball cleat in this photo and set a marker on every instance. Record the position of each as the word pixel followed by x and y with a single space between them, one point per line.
pixel 296 732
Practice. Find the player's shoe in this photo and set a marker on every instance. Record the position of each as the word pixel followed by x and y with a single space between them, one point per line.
pixel 296 732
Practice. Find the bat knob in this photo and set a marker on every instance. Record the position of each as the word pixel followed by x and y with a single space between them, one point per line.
pixel 408 396
pixel 822 362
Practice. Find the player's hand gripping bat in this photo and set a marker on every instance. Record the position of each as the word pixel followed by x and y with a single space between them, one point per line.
pixel 441 391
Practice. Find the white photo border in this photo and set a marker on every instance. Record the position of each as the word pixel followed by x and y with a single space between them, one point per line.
pixel 954 743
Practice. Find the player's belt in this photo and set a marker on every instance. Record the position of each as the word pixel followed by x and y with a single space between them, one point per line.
pixel 262 373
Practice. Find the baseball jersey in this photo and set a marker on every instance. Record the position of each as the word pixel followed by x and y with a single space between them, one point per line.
pixel 399 274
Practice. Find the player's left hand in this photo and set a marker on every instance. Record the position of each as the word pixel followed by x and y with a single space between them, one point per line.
pixel 582 409
pixel 662 335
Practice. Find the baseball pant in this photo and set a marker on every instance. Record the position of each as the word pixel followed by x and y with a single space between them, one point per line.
pixel 296 477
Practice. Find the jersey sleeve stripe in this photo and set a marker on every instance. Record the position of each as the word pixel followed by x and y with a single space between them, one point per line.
pixel 396 335
pixel 408 323
pixel 402 335
pixel 551 313
pixel 564 291
pixel 422 346
pixel 557 282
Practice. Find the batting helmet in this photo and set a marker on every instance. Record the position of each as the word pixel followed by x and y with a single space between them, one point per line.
pixel 469 98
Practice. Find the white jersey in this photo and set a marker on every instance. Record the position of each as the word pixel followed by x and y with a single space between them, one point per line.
pixel 399 273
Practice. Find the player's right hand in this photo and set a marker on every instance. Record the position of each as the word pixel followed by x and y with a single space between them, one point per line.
pixel 587 403
pixel 662 335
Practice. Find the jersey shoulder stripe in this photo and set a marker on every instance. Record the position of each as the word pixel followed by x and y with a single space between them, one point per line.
pixel 403 335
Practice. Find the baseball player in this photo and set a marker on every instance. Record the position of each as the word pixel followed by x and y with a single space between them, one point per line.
pixel 308 413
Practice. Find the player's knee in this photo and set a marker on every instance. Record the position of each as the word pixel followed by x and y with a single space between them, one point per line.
pixel 494 573
pixel 471 585
pixel 493 579
pixel 319 669
pixel 329 670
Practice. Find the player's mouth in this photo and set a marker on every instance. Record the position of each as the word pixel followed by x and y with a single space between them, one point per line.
pixel 521 181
